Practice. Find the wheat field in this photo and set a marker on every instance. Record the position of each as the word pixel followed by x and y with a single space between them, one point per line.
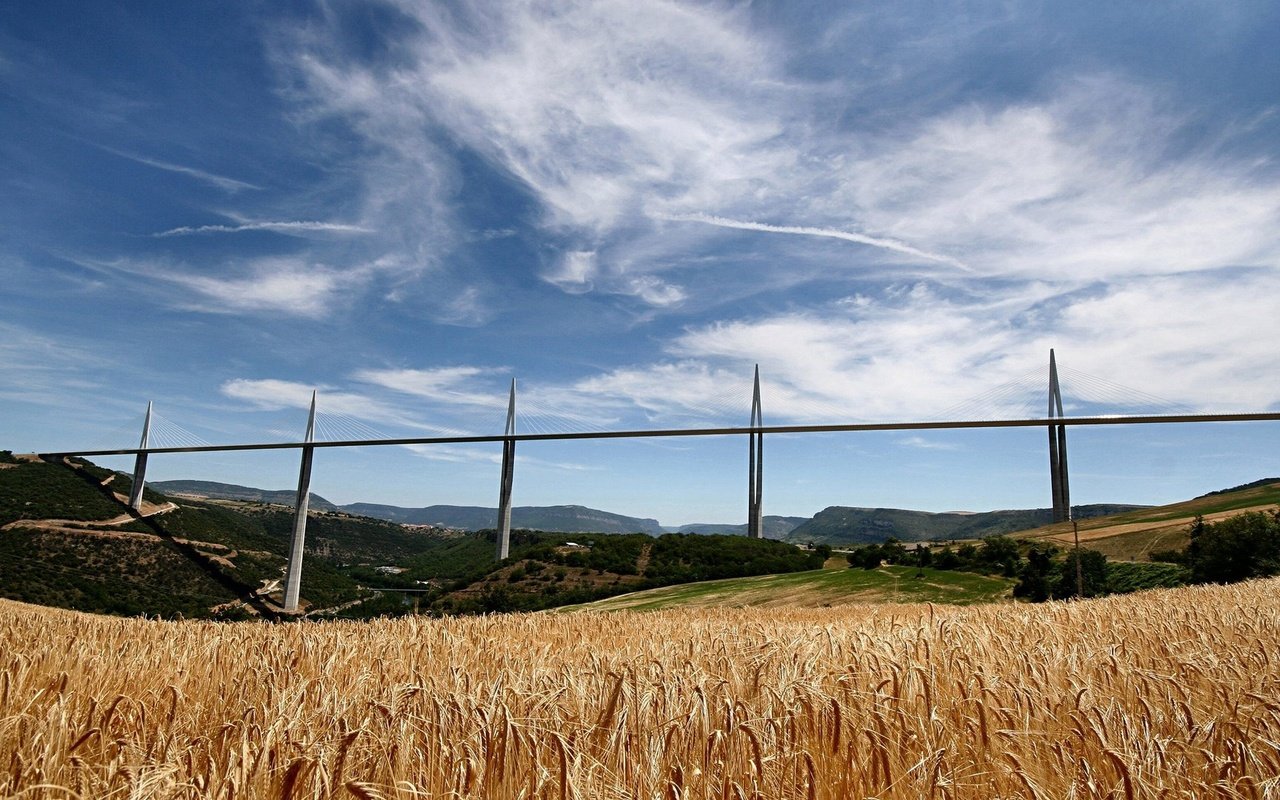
pixel 1165 694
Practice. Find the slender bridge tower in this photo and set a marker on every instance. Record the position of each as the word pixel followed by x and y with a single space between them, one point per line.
pixel 508 473
pixel 293 573
pixel 1058 449
pixel 755 466
pixel 140 464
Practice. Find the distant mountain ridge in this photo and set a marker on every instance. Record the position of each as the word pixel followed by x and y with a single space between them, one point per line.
pixel 835 525
pixel 774 527
pixel 561 519
pixel 230 491
pixel 844 525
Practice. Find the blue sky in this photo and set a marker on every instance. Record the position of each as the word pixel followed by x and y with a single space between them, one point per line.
pixel 893 209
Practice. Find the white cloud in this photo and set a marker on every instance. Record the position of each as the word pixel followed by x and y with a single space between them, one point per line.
pixel 454 454
pixel 276 227
pixel 921 443
pixel 575 271
pixel 449 385
pixel 486 455
pixel 273 394
pixel 615 116
pixel 269 394
pixel 1197 340
pixel 668 393
pixel 595 105
pixel 655 291
pixel 600 109
pixel 1077 187
pixel 271 285
pixel 290 285
pixel 828 233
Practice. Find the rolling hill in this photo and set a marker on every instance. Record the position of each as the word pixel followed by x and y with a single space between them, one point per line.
pixel 1134 535
pixel 843 525
pixel 68 538
pixel 774 527
pixel 562 519
pixel 565 519
pixel 212 490
pixel 816 588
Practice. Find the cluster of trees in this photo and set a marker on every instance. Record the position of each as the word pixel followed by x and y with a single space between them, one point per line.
pixel 683 557
pixel 1234 549
pixel 49 491
pixel 1081 573
pixel 1237 548
pixel 671 558
pixel 1042 570
pixel 551 574
pixel 996 555
pixel 104 575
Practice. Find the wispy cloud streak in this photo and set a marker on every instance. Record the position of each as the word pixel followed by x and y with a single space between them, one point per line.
pixel 220 181
pixel 277 227
pixel 802 230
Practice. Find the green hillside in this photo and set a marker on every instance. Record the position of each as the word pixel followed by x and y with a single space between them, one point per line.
pixel 822 587
pixel 553 569
pixel 844 526
pixel 1134 535
pixel 67 538
pixel 229 491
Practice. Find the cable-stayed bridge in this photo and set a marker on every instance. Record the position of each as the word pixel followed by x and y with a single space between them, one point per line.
pixel 161 436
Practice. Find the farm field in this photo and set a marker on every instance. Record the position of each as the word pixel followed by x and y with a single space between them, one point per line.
pixel 1164 693
pixel 1134 535
pixel 815 588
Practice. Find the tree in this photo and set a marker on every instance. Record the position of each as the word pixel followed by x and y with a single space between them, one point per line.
pixel 1235 549
pixel 946 559
pixel 893 550
pixel 1001 553
pixel 924 556
pixel 1036 578
pixel 868 557
pixel 1093 573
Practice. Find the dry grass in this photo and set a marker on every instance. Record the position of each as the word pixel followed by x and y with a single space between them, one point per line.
pixel 1165 694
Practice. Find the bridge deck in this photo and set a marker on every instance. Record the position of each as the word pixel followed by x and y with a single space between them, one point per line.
pixel 670 432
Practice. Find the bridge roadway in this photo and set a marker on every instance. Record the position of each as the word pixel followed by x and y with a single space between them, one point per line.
pixel 1111 419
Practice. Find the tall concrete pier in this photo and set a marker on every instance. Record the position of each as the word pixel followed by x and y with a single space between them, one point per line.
pixel 293 573
pixel 1058 482
pixel 140 464
pixel 755 466
pixel 508 473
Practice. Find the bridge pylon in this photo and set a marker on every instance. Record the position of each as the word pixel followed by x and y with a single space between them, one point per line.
pixel 508 473
pixel 293 573
pixel 755 466
pixel 140 464
pixel 1058 482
